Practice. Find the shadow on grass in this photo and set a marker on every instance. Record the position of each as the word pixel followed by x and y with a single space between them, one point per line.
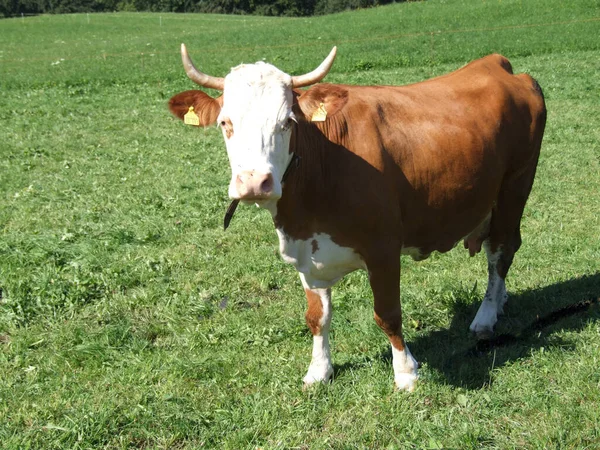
pixel 530 323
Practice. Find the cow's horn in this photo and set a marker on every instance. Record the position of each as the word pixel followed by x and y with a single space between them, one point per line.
pixel 198 77
pixel 316 75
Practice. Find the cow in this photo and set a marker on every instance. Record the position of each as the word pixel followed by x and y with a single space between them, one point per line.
pixel 355 176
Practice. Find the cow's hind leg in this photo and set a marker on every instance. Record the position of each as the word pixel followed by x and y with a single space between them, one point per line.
pixel 385 283
pixel 318 318
pixel 499 260
pixel 501 245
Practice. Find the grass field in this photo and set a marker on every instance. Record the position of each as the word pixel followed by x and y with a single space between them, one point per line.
pixel 130 319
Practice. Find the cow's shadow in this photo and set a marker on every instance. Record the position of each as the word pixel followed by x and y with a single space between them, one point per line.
pixel 532 321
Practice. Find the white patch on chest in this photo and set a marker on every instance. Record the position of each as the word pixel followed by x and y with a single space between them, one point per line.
pixel 320 260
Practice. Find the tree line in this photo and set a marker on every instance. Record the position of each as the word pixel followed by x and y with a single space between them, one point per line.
pixel 11 8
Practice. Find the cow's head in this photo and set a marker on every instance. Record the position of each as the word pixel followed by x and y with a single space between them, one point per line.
pixel 255 115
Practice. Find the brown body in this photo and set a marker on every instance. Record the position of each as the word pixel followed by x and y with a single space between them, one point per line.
pixel 408 169
pixel 417 166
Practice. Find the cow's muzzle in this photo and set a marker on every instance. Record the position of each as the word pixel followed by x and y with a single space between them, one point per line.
pixel 252 186
pixel 232 207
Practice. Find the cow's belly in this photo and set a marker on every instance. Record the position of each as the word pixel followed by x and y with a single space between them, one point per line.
pixel 321 261
pixel 473 239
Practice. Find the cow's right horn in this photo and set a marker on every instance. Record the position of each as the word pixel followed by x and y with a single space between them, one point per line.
pixel 316 75
pixel 198 77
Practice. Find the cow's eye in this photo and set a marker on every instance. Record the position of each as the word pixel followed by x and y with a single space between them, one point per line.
pixel 227 127
pixel 288 123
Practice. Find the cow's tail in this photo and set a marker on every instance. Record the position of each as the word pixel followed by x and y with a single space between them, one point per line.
pixel 537 88
pixel 542 113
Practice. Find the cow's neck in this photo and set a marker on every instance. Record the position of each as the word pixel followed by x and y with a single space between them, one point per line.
pixel 339 189
pixel 308 195
pixel 316 217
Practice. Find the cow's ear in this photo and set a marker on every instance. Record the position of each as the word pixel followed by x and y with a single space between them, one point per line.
pixel 206 108
pixel 321 101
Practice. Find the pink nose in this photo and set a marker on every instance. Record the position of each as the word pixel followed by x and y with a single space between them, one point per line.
pixel 252 185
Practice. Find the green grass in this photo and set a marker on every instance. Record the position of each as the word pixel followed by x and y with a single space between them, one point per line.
pixel 129 319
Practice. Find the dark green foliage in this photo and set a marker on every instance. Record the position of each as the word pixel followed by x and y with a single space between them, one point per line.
pixel 9 8
pixel 333 6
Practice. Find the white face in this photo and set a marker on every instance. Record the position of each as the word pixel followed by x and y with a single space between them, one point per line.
pixel 256 120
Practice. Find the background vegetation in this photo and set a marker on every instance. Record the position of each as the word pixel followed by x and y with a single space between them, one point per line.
pixel 9 8
pixel 129 319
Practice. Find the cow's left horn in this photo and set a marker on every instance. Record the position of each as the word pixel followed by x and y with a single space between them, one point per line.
pixel 316 75
pixel 198 77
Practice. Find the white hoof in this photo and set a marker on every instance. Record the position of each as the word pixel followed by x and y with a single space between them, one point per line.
pixel 406 381
pixel 317 374
pixel 483 334
pixel 482 330
pixel 405 369
pixel 485 319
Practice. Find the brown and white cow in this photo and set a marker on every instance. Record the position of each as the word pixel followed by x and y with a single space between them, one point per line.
pixel 382 171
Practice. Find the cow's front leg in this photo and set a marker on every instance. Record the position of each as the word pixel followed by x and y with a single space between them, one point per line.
pixel 385 283
pixel 318 318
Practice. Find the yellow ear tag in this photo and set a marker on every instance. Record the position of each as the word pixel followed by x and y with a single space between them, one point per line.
pixel 320 114
pixel 191 118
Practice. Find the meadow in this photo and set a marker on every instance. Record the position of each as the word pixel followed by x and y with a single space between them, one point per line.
pixel 130 319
